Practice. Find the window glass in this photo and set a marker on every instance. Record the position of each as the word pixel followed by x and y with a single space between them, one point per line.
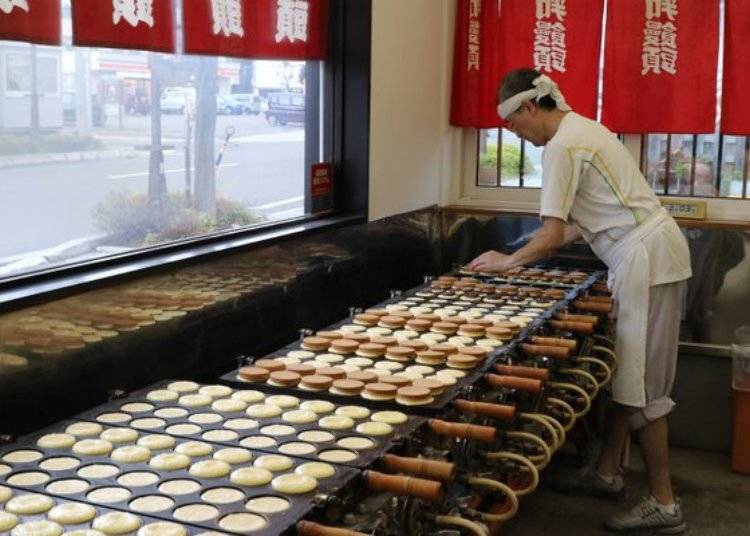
pixel 128 149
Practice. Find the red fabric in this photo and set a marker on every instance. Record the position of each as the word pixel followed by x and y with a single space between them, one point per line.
pixel 582 22
pixel 272 45
pixel 735 108
pixel 40 24
pixel 507 42
pixel 260 36
pixel 100 23
pixel 683 102
pixel 475 76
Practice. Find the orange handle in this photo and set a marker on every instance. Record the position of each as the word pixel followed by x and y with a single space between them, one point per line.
pixel 485 434
pixel 600 287
pixel 308 528
pixel 422 467
pixel 513 382
pixel 583 328
pixel 595 307
pixel 500 412
pixel 591 319
pixel 428 490
pixel 555 341
pixel 523 372
pixel 558 352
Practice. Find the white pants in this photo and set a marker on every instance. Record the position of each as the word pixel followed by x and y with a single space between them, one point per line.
pixel 662 341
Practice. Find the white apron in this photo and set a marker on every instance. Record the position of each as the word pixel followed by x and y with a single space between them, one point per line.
pixel 653 253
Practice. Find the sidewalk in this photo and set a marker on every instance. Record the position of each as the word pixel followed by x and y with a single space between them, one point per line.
pixel 35 159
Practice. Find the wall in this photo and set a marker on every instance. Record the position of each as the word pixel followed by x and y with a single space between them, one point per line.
pixel 411 144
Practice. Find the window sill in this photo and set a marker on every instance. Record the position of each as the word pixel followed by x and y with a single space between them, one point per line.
pixel 709 223
pixel 57 282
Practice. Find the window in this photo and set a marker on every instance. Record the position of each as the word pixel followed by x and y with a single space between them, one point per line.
pixel 121 150
pixel 513 160
pixel 18 74
pixel 687 165
pixel 697 165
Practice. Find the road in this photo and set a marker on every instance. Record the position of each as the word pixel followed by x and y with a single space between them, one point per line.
pixel 42 206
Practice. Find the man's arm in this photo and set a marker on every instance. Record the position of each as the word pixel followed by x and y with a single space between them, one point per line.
pixel 548 239
pixel 572 234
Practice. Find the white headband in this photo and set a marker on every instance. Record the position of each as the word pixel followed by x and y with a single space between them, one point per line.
pixel 543 86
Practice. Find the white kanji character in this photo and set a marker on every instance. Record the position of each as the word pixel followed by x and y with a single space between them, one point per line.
pixel 474 32
pixel 668 61
pixel 291 21
pixel 669 36
pixel 6 6
pixel 475 8
pixel 133 11
pixel 542 33
pixel 557 35
pixel 542 59
pixel 473 63
pixel 557 59
pixel 227 17
pixel 546 8
pixel 146 11
pixel 651 60
pixel 657 8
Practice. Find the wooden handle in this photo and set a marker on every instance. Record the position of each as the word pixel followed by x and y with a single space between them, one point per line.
pixel 422 467
pixel 599 287
pixel 595 307
pixel 485 434
pixel 428 490
pixel 555 341
pixel 513 382
pixel 308 528
pixel 583 328
pixel 500 412
pixel 591 319
pixel 558 352
pixel 523 372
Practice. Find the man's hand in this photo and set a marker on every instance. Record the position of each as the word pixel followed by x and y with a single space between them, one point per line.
pixel 491 261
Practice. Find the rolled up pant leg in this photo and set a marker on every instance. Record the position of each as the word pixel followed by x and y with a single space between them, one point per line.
pixel 662 340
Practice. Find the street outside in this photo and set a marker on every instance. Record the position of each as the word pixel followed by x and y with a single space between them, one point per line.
pixel 47 204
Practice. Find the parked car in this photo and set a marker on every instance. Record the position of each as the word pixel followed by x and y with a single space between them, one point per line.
pixel 177 99
pixel 285 108
pixel 251 103
pixel 226 105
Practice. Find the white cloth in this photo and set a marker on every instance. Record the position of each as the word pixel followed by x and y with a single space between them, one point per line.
pixel 656 250
pixel 543 86
pixel 589 179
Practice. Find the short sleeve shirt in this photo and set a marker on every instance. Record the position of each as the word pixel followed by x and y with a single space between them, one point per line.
pixel 590 180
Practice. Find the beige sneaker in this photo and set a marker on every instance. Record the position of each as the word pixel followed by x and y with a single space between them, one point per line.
pixel 649 516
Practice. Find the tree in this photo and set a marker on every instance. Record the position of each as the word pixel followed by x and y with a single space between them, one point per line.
pixel 157 182
pixel 205 134
pixel 35 131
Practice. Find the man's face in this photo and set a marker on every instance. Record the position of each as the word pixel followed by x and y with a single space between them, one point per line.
pixel 526 123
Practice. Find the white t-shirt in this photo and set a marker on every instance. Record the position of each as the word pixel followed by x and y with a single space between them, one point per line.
pixel 590 180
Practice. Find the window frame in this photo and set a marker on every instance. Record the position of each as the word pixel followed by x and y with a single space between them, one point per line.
pixel 344 100
pixel 517 199
pixel 41 54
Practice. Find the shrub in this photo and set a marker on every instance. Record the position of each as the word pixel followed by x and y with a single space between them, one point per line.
pixel 131 220
pixel 47 143
pixel 511 160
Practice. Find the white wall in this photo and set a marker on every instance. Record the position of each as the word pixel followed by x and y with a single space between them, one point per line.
pixel 412 148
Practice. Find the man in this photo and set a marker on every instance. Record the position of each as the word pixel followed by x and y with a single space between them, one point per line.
pixel 591 187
